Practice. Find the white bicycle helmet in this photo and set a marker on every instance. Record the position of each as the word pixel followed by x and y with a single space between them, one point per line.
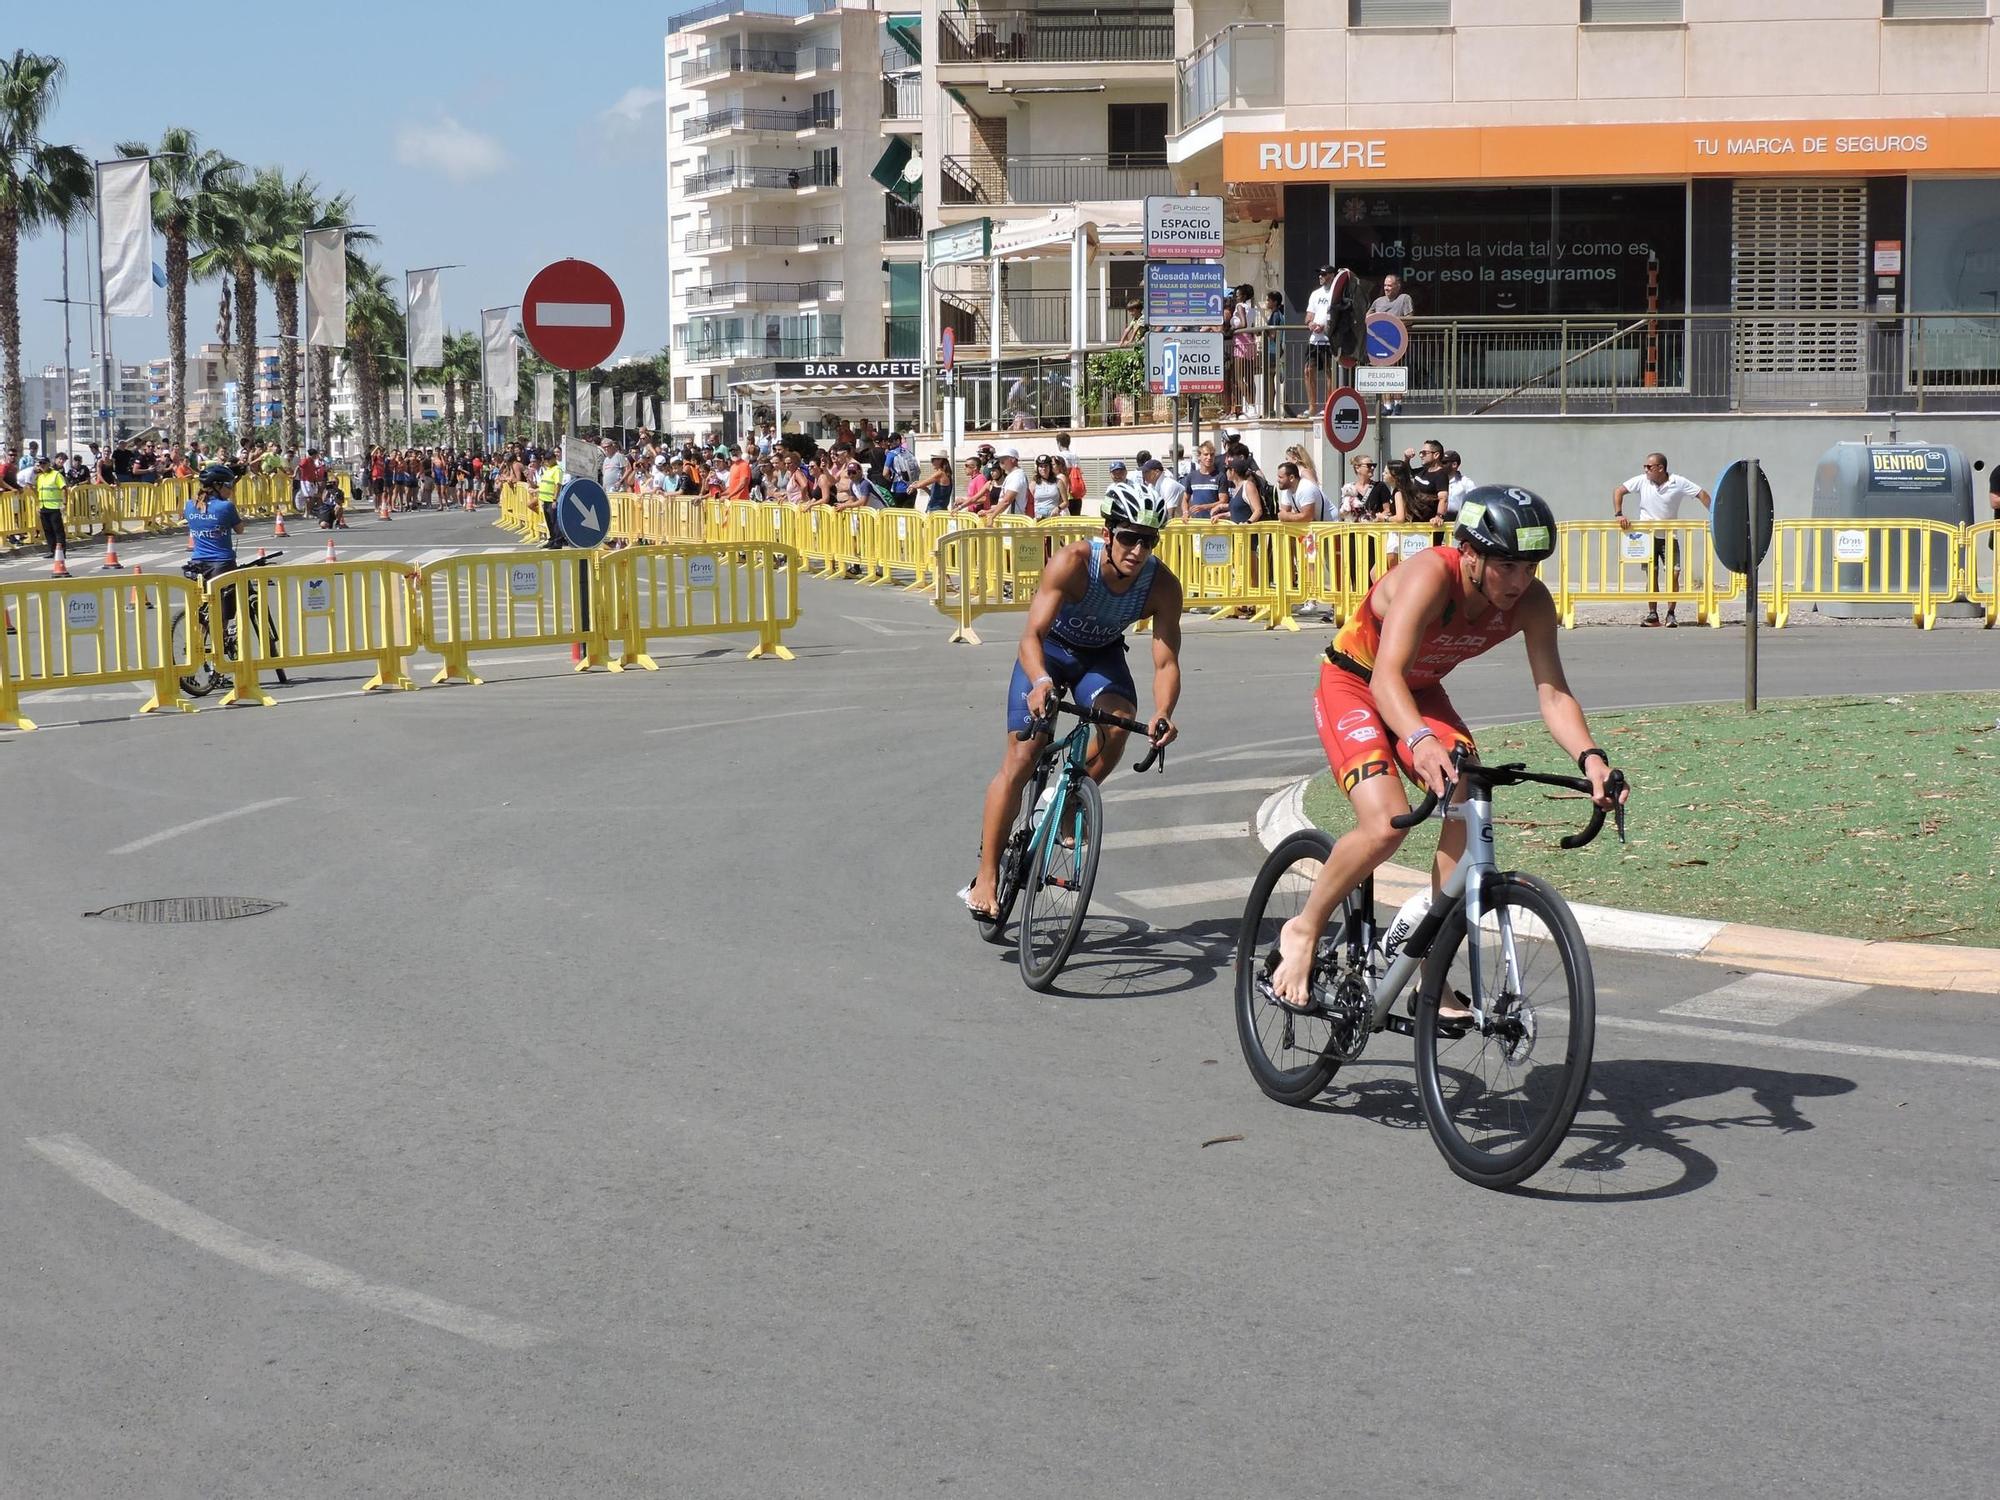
pixel 1129 504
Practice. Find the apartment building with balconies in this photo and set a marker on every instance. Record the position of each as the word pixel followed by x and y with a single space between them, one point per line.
pixel 793 146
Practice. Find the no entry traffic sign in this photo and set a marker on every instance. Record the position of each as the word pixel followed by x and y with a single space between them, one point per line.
pixel 1346 419
pixel 573 315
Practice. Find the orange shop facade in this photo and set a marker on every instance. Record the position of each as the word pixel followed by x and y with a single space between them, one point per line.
pixel 1876 215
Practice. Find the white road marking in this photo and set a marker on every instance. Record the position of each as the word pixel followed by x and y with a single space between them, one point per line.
pixel 890 627
pixel 1234 890
pixel 797 713
pixel 1765 999
pixel 180 828
pixel 1295 754
pixel 1130 793
pixel 379 556
pixel 1183 833
pixel 1796 1043
pixel 436 554
pixel 204 1233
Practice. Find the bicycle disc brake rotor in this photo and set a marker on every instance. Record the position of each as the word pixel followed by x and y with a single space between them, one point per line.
pixel 1516 1032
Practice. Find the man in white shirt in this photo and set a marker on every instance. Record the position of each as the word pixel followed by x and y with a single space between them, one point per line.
pixel 1170 490
pixel 1660 494
pixel 1014 499
pixel 1456 489
pixel 1300 499
pixel 615 464
pixel 1319 337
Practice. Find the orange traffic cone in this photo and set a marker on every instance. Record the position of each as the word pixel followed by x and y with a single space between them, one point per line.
pixel 468 500
pixel 111 562
pixel 329 551
pixel 279 529
pixel 132 596
pixel 382 509
pixel 61 569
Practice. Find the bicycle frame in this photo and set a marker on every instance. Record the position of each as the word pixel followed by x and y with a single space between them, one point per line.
pixel 1072 756
pixel 1476 813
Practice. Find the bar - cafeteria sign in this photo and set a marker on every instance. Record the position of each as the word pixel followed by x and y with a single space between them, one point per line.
pixel 1558 152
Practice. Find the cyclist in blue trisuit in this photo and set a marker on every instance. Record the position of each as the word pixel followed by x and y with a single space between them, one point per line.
pixel 213 523
pixel 1090 591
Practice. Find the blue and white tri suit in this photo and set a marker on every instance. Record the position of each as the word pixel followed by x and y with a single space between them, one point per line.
pixel 1085 647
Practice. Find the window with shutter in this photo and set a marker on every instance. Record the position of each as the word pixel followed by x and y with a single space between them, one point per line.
pixel 1398 12
pixel 1933 10
pixel 1630 10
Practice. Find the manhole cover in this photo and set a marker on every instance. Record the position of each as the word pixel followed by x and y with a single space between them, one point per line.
pixel 187 909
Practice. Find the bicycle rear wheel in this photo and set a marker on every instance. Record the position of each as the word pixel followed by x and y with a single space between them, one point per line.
pixel 1291 1054
pixel 1013 860
pixel 1498 1105
pixel 1057 889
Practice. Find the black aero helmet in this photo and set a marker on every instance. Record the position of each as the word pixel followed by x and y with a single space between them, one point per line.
pixel 216 475
pixel 1507 522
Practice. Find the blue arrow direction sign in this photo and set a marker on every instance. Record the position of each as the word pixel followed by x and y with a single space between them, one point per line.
pixel 583 511
pixel 1188 291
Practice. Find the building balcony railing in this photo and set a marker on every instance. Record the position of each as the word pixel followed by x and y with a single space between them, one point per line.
pixel 900 220
pixel 1058 34
pixel 1058 178
pixel 736 236
pixel 1240 67
pixel 818 59
pixel 768 346
pixel 747 119
pixel 713 9
pixel 738 60
pixel 718 179
pixel 903 98
pixel 704 406
pixel 719 292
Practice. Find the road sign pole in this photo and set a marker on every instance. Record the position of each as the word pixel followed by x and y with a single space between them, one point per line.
pixel 1756 483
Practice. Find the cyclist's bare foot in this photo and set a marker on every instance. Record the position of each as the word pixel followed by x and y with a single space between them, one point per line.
pixel 1291 981
pixel 982 900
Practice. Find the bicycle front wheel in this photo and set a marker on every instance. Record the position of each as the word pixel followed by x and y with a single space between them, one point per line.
pixel 1059 880
pixel 1291 1053
pixel 1499 1103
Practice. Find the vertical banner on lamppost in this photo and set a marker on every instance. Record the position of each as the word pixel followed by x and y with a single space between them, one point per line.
pixel 501 358
pixel 607 409
pixel 125 240
pixel 545 397
pixel 426 315
pixel 653 413
pixel 631 408
pixel 586 403
pixel 324 253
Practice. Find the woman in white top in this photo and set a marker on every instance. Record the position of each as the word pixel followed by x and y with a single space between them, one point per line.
pixel 1047 489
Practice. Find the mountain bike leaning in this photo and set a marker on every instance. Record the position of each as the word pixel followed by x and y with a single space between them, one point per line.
pixel 208 674
pixel 1504 1016
pixel 1051 853
pixel 1381 710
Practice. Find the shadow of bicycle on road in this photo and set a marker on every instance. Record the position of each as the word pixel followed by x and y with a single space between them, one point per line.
pixel 1630 1141
pixel 1123 958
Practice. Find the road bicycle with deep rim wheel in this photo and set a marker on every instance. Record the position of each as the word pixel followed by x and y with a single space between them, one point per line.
pixel 1499 1084
pixel 1050 861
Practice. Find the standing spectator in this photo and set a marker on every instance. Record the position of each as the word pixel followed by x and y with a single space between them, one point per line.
pixel 737 485
pixel 900 469
pixel 615 465
pixel 311 474
pixel 1246 493
pixel 1393 299
pixel 1428 472
pixel 1273 339
pixel 1172 493
pixel 1135 323
pixel 548 484
pixel 49 486
pixel 1319 338
pixel 1020 404
pixel 1365 497
pixel 1660 494
pixel 1014 500
pixel 1407 503
pixel 1204 486
pixel 938 488
pixel 978 499
pixel 1300 499
pixel 1243 349
pixel 1458 487
pixel 1047 491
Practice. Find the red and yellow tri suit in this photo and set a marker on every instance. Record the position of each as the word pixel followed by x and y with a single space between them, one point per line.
pixel 1358 744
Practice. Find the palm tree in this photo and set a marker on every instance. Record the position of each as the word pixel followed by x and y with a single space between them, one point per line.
pixel 234 230
pixel 297 208
pixel 374 328
pixel 461 373
pixel 184 178
pixel 40 184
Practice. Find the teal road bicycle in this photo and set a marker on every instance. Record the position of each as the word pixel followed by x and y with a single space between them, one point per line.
pixel 1050 861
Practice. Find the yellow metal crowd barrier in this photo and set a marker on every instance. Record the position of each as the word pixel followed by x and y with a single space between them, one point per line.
pixel 498 600
pixel 989 569
pixel 311 615
pixel 699 588
pixel 157 505
pixel 93 632
pixel 1979 569
pixel 1671 562
pixel 520 513
pixel 1865 561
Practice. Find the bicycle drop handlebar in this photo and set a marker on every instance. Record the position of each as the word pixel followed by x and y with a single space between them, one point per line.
pixel 1517 774
pixel 1047 722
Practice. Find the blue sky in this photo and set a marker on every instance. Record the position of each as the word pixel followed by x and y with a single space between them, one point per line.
pixel 500 134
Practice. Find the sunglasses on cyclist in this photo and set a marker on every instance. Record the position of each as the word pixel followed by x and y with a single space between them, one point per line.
pixel 1125 536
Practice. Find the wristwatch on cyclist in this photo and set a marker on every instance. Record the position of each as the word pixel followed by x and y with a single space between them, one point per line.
pixel 1583 759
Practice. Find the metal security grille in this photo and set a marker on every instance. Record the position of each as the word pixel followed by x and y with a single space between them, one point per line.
pixel 1630 10
pixel 1800 249
pixel 1398 12
pixel 1934 10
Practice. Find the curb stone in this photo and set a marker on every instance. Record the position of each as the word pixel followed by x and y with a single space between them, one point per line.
pixel 1772 950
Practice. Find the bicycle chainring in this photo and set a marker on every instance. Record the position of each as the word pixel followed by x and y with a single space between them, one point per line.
pixel 1350 1010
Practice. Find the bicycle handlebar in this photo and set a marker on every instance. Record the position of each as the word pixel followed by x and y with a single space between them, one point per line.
pixel 1157 754
pixel 1517 774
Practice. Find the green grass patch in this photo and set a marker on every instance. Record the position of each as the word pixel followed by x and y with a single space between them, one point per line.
pixel 1861 817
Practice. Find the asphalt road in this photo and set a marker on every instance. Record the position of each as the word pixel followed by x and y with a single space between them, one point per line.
pixel 620 1103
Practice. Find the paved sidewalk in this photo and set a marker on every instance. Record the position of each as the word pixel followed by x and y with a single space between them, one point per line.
pixel 1774 950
